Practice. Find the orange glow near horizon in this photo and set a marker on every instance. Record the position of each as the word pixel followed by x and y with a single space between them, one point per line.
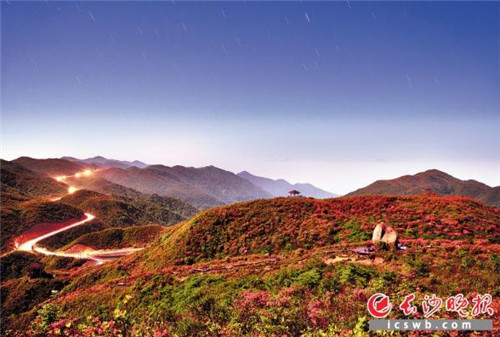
pixel 71 189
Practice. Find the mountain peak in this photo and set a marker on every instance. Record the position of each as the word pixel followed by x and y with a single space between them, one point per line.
pixel 435 172
pixel 434 181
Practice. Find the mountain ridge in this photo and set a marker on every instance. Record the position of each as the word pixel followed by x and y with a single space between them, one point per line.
pixel 107 163
pixel 280 187
pixel 202 187
pixel 50 166
pixel 20 183
pixel 434 181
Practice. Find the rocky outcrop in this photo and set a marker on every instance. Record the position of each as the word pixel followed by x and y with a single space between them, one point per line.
pixel 385 234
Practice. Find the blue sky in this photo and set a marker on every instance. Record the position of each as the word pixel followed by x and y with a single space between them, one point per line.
pixel 322 92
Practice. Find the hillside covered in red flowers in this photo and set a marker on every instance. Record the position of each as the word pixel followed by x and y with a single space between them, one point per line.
pixel 285 224
pixel 269 267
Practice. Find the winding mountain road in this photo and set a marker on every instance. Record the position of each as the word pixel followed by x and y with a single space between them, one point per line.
pixel 30 245
pixel 100 256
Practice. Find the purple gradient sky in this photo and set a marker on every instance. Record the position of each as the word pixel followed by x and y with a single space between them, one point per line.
pixel 322 92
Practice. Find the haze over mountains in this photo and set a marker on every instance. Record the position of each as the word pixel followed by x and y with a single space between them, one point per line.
pixel 211 186
pixel 106 163
pixel 201 187
pixel 433 181
pixel 280 187
pixel 51 166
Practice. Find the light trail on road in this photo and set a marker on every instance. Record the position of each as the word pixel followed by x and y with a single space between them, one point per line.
pixel 100 256
pixel 96 255
pixel 29 245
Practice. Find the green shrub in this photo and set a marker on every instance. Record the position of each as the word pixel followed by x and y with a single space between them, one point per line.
pixel 356 233
pixel 309 279
pixel 354 274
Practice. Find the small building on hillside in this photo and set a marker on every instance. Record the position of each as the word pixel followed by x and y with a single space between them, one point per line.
pixel 294 193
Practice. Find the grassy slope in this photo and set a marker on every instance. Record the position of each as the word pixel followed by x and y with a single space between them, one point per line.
pixel 97 184
pixel 118 211
pixel 62 239
pixel 272 226
pixel 138 236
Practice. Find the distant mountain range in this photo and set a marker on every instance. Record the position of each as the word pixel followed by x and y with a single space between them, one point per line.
pixel 434 181
pixel 211 186
pixel 51 167
pixel 106 163
pixel 202 187
pixel 281 187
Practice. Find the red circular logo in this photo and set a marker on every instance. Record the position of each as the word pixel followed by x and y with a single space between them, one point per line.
pixel 379 305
